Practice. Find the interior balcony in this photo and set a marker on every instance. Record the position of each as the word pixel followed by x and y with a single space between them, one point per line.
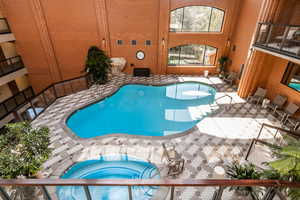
pixel 279 39
pixel 5 33
pixel 10 65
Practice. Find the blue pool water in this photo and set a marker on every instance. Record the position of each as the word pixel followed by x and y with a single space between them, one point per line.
pixel 145 110
pixel 116 168
pixel 296 86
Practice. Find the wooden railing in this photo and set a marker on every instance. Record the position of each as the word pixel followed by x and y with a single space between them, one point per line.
pixel 10 65
pixel 4 27
pixel 27 106
pixel 221 184
pixel 280 38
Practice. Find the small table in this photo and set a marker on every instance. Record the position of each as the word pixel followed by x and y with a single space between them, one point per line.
pixel 265 103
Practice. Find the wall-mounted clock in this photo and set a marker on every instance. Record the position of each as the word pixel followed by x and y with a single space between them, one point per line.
pixel 140 55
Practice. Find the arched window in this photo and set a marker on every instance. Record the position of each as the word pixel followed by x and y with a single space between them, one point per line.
pixel 197 19
pixel 193 54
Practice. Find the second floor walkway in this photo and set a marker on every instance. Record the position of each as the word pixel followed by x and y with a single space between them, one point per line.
pixel 279 38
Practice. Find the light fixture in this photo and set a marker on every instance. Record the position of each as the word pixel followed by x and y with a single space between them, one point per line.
pixel 103 42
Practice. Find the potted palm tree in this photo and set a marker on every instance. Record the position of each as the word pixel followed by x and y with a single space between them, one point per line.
pixel 223 62
pixel 287 165
pixel 23 150
pixel 98 64
pixel 238 171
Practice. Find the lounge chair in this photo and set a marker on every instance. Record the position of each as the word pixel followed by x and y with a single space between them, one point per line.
pixel 231 78
pixel 258 96
pixel 288 112
pixel 277 103
pixel 175 162
pixel 293 123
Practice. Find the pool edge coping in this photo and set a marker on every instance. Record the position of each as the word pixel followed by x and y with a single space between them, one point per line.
pixel 71 134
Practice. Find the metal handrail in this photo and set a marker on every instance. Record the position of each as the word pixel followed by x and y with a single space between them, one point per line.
pixel 225 95
pixel 257 139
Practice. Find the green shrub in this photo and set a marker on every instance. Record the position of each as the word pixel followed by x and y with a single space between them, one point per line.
pixel 23 150
pixel 98 64
pixel 244 171
pixel 287 165
pixel 223 62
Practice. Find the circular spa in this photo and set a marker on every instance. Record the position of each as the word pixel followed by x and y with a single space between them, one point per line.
pixel 145 110
pixel 110 167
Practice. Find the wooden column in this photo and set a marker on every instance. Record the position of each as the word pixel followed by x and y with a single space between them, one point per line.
pixel 103 29
pixel 251 74
pixel 41 24
pixel 164 18
pixel 254 64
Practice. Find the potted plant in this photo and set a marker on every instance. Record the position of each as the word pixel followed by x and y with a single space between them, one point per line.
pixel 23 150
pixel 244 171
pixel 98 64
pixel 223 62
pixel 287 165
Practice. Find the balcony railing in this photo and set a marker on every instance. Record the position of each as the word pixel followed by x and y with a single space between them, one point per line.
pixel 4 27
pixel 13 102
pixel 27 106
pixel 10 65
pixel 279 38
pixel 273 187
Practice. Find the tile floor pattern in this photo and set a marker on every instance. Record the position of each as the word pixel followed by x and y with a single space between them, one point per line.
pixel 218 140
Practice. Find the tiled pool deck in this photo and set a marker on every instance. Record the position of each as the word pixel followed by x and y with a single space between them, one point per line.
pixel 216 141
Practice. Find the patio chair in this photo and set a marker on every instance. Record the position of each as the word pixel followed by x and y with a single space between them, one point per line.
pixel 175 162
pixel 293 123
pixel 258 96
pixel 231 78
pixel 289 111
pixel 277 103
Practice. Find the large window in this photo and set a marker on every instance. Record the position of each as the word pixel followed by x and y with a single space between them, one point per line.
pixel 197 19
pixel 193 54
pixel 291 77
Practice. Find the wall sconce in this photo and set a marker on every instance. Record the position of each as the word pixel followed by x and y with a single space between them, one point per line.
pixel 228 43
pixel 163 41
pixel 103 42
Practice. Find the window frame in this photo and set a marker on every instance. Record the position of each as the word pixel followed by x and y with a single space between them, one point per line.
pixel 209 23
pixel 193 65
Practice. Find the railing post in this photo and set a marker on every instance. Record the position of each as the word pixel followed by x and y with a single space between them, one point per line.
pixel 172 193
pixel 280 195
pixel 286 31
pixel 259 133
pixel 218 193
pixel 3 194
pixel 16 116
pixel 129 192
pixel 34 111
pixel 269 34
pixel 270 194
pixel 54 89
pixel 258 32
pixel 87 192
pixel 45 193
pixel 250 148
